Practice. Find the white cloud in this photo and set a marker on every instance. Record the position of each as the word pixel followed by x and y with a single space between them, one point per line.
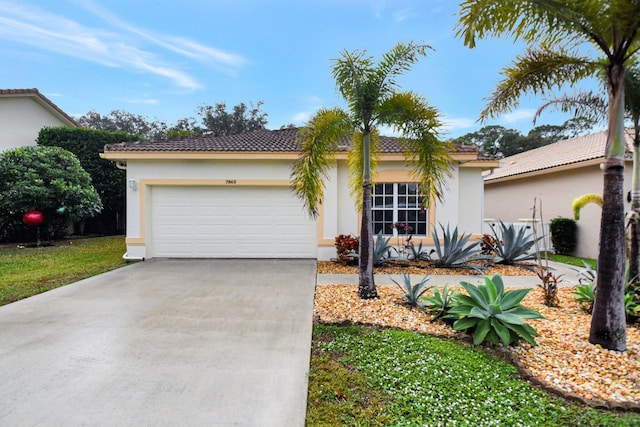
pixel 128 49
pixel 385 130
pixel 401 15
pixel 149 101
pixel 180 45
pixel 516 116
pixel 456 123
pixel 301 118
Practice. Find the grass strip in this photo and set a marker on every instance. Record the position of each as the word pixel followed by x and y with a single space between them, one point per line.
pixel 25 272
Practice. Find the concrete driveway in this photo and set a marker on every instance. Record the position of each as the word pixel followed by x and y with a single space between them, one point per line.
pixel 163 343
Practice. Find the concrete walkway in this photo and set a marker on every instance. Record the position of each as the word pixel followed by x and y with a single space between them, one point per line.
pixel 569 278
pixel 162 343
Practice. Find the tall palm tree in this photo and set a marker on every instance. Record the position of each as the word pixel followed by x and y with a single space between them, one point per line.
pixel 559 33
pixel 593 106
pixel 370 92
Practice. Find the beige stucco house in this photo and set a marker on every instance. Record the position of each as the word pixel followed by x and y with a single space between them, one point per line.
pixel 230 197
pixel 23 112
pixel 555 174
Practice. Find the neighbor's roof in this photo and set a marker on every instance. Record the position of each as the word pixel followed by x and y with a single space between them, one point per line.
pixel 283 140
pixel 561 153
pixel 42 100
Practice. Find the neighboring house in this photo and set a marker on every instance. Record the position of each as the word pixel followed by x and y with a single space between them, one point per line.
pixel 23 112
pixel 555 175
pixel 231 197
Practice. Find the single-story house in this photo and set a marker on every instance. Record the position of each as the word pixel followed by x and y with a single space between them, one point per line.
pixel 23 112
pixel 230 197
pixel 555 174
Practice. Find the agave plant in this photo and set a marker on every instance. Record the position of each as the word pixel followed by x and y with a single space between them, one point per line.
pixel 439 303
pixel 418 253
pixel 456 250
pixel 585 295
pixel 511 246
pixel 586 275
pixel 413 293
pixel 489 313
pixel 381 250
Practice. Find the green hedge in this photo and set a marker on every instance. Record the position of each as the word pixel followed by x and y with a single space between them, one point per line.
pixel 564 235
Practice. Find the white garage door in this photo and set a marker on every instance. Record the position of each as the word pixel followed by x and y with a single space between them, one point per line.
pixel 230 222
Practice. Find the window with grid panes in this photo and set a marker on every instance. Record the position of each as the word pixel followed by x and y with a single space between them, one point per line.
pixel 398 202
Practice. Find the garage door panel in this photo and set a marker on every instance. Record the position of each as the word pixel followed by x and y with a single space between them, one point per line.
pixel 231 222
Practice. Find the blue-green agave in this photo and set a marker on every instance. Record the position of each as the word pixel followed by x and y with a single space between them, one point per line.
pixel 489 313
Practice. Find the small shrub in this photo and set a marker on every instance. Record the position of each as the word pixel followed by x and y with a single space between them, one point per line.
pixel 564 235
pixel 440 303
pixel 491 314
pixel 549 287
pixel 346 248
pixel 45 179
pixel 487 244
pixel 413 293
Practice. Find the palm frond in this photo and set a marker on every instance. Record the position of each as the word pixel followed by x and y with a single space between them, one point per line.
pixel 537 71
pixel 429 158
pixel 318 142
pixel 587 105
pixel 354 74
pixel 632 96
pixel 397 61
pixel 534 21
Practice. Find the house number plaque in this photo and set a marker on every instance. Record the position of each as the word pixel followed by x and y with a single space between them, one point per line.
pixel 230 181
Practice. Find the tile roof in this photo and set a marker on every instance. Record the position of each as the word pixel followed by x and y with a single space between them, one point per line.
pixel 566 152
pixel 283 140
pixel 43 99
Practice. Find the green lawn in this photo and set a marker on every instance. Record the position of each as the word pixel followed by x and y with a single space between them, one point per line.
pixel 364 376
pixel 572 260
pixel 29 271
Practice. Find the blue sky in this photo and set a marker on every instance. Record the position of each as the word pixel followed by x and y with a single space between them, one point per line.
pixel 164 59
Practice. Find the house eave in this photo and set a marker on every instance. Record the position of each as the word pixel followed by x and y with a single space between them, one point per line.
pixel 555 169
pixel 116 155
pixel 482 164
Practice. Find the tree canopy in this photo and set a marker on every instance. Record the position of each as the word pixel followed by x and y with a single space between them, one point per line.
pixel 214 119
pixel 503 142
pixel 48 179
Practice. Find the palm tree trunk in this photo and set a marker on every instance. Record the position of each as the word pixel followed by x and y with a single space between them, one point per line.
pixel 608 322
pixel 366 284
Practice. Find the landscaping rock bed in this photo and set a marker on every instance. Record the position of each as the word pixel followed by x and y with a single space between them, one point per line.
pixel 424 267
pixel 564 361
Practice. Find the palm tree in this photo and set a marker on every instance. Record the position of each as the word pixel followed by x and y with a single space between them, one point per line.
pixel 593 106
pixel 370 92
pixel 560 32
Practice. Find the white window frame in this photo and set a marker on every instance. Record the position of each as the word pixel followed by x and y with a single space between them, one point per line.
pixel 395 208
